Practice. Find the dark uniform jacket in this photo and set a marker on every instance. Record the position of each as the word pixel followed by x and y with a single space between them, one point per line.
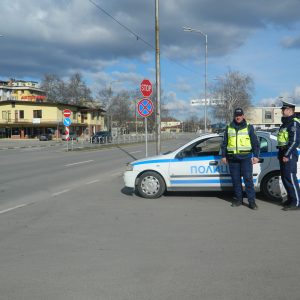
pixel 293 128
pixel 253 139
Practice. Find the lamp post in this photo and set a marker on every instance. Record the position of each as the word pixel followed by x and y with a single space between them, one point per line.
pixel 189 29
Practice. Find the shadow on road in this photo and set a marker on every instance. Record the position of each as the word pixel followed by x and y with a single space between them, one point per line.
pixel 224 195
pixel 127 191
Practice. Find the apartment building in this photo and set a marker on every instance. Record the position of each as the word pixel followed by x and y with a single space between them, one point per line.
pixel 21 90
pixel 266 117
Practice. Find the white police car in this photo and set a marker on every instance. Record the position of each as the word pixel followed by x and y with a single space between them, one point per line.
pixel 196 166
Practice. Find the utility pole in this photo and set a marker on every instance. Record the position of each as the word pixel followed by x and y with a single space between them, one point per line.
pixel 157 59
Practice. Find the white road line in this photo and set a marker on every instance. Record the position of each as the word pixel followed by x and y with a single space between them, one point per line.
pixel 135 152
pixel 61 192
pixel 78 163
pixel 115 174
pixel 93 181
pixel 12 208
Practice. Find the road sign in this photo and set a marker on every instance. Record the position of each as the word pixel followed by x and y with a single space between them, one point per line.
pixel 67 133
pixel 67 113
pixel 145 107
pixel 67 121
pixel 146 88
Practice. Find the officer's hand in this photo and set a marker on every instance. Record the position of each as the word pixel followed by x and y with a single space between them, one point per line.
pixel 285 159
pixel 255 160
pixel 224 160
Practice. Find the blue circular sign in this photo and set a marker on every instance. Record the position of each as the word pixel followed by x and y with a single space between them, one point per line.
pixel 145 107
pixel 67 121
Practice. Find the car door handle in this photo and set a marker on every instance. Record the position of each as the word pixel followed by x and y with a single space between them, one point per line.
pixel 213 163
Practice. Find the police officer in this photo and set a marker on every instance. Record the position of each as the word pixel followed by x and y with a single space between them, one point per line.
pixel 288 140
pixel 240 149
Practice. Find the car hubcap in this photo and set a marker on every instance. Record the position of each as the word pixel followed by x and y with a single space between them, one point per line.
pixel 150 185
pixel 276 188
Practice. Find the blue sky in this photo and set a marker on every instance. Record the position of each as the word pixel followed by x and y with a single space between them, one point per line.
pixel 259 38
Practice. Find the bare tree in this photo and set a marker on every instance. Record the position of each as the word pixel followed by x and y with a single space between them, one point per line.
pixel 73 92
pixel 54 87
pixel 77 91
pixel 233 90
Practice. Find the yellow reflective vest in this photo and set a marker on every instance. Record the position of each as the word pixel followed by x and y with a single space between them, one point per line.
pixel 238 140
pixel 283 135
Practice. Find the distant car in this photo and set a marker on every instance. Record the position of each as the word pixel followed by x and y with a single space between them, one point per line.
pixel 101 137
pixel 72 136
pixel 45 137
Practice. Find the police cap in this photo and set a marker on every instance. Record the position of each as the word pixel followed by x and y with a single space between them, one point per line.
pixel 286 104
pixel 238 112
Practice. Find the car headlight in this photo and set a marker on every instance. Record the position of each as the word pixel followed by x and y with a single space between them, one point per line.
pixel 129 167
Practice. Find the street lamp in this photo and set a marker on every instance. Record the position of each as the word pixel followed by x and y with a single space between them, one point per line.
pixel 189 29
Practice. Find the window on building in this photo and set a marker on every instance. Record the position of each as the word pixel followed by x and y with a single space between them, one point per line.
pixel 4 115
pixel 37 114
pixel 21 114
pixel 268 115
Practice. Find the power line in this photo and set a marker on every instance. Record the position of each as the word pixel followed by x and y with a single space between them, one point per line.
pixel 138 37
pixel 122 25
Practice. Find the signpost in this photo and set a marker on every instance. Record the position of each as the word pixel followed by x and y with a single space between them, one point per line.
pixel 145 109
pixel 67 122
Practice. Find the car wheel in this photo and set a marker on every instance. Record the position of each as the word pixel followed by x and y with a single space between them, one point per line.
pixel 151 185
pixel 272 187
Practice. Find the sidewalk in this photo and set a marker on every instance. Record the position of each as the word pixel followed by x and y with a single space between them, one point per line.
pixel 28 143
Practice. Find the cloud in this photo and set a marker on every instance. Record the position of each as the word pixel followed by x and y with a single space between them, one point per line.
pixel 291 42
pixel 51 36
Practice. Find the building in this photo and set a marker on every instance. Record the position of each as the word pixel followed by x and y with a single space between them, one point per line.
pixel 170 125
pixel 265 117
pixel 28 119
pixel 21 90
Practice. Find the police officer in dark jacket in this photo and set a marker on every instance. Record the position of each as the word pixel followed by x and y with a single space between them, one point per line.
pixel 240 149
pixel 288 140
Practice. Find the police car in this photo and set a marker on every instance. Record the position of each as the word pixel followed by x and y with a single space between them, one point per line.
pixel 196 166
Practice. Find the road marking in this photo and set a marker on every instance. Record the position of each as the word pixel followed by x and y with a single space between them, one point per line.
pixel 79 163
pixel 61 192
pixel 135 152
pixel 93 181
pixel 12 208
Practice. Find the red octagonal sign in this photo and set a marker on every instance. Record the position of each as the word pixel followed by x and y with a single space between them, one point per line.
pixel 146 88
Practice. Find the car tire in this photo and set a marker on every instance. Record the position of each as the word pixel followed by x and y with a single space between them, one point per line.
pixel 151 185
pixel 272 187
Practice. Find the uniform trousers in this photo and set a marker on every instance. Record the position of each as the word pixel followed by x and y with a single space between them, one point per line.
pixel 289 179
pixel 242 168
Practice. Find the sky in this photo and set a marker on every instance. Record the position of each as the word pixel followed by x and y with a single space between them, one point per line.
pixel 112 43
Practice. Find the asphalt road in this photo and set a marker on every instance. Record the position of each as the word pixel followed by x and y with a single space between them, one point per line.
pixel 70 230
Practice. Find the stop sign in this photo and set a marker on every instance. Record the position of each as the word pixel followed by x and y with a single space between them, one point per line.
pixel 146 88
pixel 67 113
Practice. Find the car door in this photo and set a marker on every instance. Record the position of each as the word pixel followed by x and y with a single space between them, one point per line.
pixel 198 166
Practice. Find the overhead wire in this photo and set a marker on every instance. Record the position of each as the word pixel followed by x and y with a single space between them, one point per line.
pixel 137 36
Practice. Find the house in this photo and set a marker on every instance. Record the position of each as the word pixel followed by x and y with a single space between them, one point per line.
pixel 171 125
pixel 28 119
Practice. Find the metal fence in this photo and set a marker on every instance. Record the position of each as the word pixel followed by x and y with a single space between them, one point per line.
pixel 86 142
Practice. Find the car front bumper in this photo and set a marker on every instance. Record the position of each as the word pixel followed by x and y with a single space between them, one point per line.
pixel 130 178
